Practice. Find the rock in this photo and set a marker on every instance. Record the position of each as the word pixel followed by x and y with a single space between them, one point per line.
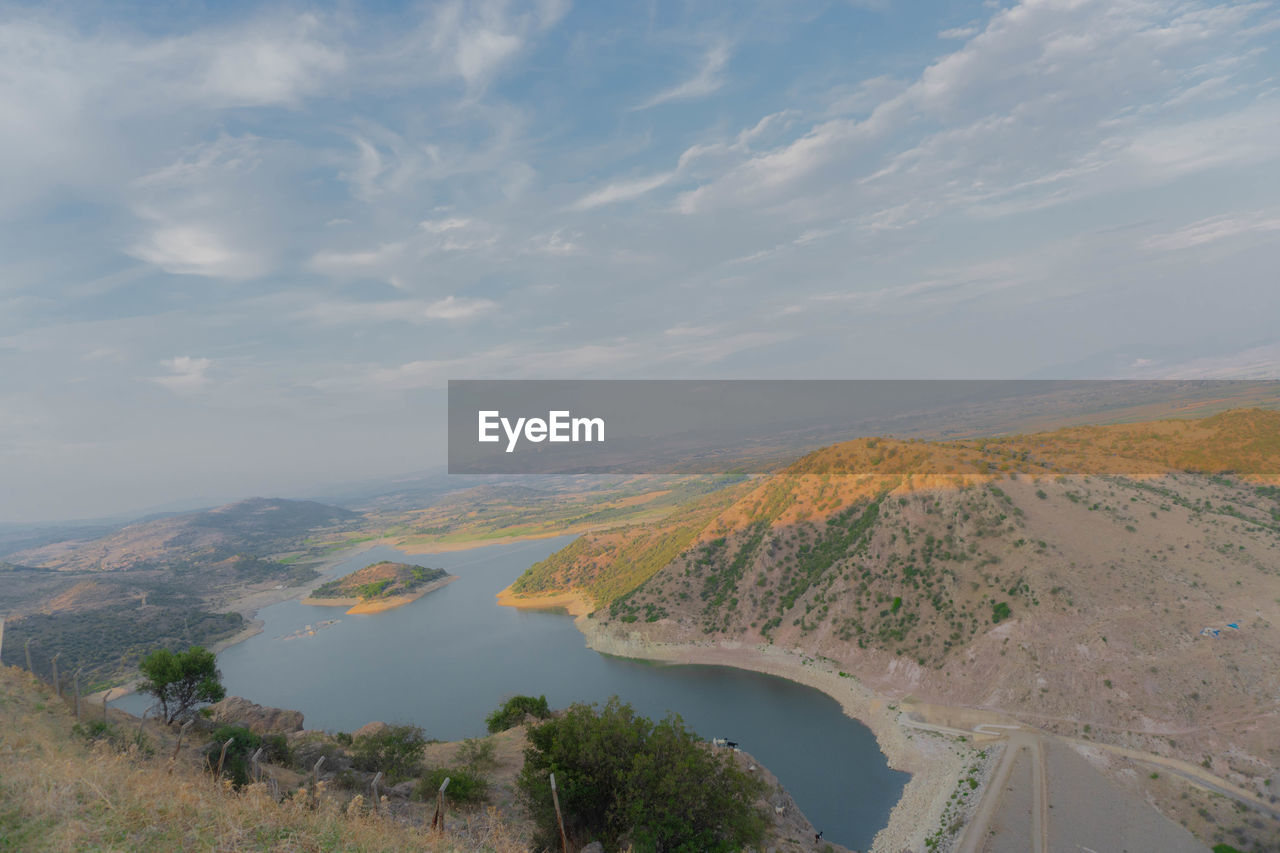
pixel 404 789
pixel 373 728
pixel 258 719
pixel 593 847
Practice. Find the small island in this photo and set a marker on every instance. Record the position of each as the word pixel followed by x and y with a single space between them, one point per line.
pixel 378 587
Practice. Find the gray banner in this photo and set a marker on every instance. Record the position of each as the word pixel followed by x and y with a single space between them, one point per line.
pixel 716 426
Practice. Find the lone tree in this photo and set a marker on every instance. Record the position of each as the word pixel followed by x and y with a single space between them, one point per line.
pixel 181 680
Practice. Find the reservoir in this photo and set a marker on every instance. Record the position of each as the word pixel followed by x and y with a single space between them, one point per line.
pixel 450 658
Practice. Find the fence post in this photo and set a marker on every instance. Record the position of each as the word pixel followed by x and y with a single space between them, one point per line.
pixel 1 638
pixel 106 697
pixel 182 731
pixel 75 682
pixel 27 647
pixel 223 755
pixel 374 786
pixel 57 684
pixel 256 770
pixel 437 822
pixel 555 800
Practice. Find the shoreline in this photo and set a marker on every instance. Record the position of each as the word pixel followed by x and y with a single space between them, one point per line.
pixel 935 763
pixel 575 603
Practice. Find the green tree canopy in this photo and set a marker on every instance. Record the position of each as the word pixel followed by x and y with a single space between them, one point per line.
pixel 624 779
pixel 181 680
pixel 513 711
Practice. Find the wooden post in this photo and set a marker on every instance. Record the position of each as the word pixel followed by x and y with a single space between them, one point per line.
pixel 182 731
pixel 555 800
pixel 223 755
pixel 27 647
pixel 315 771
pixel 437 822
pixel 256 769
pixel 374 787
pixel 106 697
pixel 75 682
pixel 1 638
pixel 142 720
pixel 57 684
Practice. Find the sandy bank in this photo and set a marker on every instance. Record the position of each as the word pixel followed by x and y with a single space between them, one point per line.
pixel 576 603
pixel 934 762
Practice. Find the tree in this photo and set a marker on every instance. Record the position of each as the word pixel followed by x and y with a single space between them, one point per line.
pixel 181 680
pixel 514 710
pixel 624 780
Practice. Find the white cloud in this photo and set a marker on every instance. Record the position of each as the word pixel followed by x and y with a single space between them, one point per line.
pixel 708 80
pixel 622 191
pixel 417 311
pixel 959 32
pixel 186 374
pixel 1213 229
pixel 193 249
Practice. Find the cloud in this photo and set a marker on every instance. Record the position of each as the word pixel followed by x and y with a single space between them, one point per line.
pixel 417 311
pixel 622 191
pixel 186 374
pixel 1213 229
pixel 193 249
pixel 475 39
pixel 708 80
pixel 959 32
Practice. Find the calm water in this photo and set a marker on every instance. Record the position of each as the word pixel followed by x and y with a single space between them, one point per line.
pixel 451 657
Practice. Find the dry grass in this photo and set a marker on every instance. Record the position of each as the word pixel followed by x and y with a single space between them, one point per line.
pixel 59 793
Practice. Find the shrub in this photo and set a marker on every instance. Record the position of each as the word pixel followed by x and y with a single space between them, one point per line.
pixel 513 711
pixel 396 751
pixel 1000 611
pixel 465 786
pixel 624 779
pixel 244 744
pixel 477 755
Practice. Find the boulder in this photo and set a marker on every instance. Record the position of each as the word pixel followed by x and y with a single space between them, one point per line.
pixel 259 719
pixel 593 847
pixel 370 729
pixel 404 789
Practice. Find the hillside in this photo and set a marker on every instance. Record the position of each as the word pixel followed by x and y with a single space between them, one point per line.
pixel 171 581
pixel 62 791
pixel 257 527
pixel 1085 581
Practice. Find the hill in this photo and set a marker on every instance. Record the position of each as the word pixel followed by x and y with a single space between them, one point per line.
pixel 257 527
pixel 1119 584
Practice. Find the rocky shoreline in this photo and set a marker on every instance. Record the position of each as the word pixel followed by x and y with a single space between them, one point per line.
pixel 936 763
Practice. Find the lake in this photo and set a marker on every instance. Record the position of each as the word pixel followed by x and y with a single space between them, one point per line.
pixel 447 660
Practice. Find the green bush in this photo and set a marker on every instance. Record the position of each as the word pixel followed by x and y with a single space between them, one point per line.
pixel 513 711
pixel 622 779
pixel 465 786
pixel 1000 612
pixel 244 744
pixel 396 751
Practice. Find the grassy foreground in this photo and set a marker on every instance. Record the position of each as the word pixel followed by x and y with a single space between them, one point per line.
pixel 58 792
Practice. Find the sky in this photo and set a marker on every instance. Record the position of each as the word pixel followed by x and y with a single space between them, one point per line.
pixel 243 246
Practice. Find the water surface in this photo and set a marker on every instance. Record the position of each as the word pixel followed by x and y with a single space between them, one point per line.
pixel 448 659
